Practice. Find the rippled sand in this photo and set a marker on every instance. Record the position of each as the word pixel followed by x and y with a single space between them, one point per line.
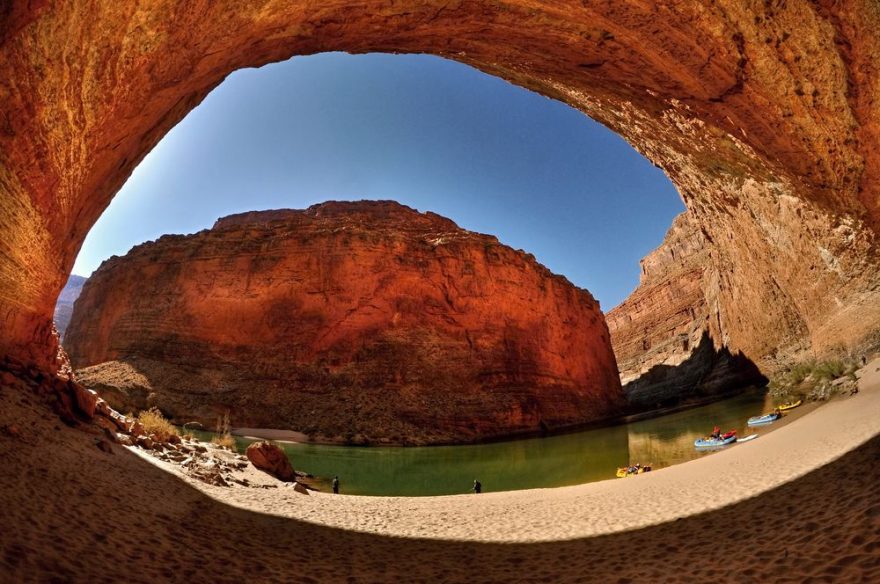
pixel 799 503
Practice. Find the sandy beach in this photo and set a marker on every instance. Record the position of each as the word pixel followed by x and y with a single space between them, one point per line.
pixel 271 434
pixel 698 486
pixel 798 504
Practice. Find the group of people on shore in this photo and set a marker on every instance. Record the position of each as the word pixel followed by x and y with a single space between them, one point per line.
pixel 477 488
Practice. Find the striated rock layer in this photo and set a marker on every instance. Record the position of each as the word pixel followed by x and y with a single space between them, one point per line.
pixel 764 115
pixel 64 305
pixel 663 332
pixel 348 321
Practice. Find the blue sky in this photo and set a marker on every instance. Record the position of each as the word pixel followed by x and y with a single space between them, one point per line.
pixel 430 133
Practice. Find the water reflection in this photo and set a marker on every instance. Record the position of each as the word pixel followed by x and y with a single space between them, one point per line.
pixel 670 439
pixel 523 464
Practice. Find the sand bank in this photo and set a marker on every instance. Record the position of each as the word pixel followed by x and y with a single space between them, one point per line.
pixel 694 487
pixel 71 512
pixel 271 434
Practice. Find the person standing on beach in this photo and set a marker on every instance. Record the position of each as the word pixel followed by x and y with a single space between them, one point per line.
pixel 478 487
pixel 335 485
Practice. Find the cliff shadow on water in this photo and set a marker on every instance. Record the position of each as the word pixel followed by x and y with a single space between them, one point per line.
pixel 708 373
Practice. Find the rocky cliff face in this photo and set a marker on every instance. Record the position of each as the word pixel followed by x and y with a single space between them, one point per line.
pixel 764 115
pixel 348 321
pixel 64 305
pixel 663 332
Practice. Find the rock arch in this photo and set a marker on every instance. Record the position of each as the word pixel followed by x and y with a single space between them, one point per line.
pixel 764 114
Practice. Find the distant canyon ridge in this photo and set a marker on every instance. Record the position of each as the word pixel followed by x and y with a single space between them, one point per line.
pixel 64 305
pixel 362 322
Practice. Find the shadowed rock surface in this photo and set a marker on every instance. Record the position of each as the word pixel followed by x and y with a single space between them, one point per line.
pixel 663 332
pixel 64 306
pixel 764 115
pixel 354 322
pixel 826 527
pixel 271 459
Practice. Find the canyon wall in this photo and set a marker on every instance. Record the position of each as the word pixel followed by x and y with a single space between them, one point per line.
pixel 359 322
pixel 663 332
pixel 64 305
pixel 763 114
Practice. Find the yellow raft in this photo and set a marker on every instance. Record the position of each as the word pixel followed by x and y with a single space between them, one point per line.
pixel 623 472
pixel 789 406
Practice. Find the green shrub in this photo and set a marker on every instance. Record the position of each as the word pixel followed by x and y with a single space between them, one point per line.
pixel 800 371
pixel 811 379
pixel 829 370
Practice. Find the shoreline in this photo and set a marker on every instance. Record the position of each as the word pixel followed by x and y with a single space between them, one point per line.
pixel 275 435
pixel 296 437
pixel 68 500
pixel 605 507
pixel 322 478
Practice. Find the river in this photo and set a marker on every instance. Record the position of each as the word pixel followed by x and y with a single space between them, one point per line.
pixel 553 461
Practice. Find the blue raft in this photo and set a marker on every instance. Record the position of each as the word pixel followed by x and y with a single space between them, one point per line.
pixel 713 442
pixel 764 420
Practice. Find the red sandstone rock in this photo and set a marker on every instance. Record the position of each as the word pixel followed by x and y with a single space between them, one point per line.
pixel 136 429
pixel 348 321
pixel 271 459
pixel 667 344
pixel 86 399
pixel 106 424
pixel 145 442
pixel 764 115
pixel 665 318
pixel 64 305
pixel 103 409
pixel 121 422
pixel 63 405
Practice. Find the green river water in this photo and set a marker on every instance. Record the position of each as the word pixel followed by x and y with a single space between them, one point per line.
pixel 554 461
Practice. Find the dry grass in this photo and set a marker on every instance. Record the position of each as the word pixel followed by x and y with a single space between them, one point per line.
pixel 813 379
pixel 155 423
pixel 224 441
pixel 223 437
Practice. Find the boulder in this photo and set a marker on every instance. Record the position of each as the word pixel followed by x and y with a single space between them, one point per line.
pixel 63 406
pixel 86 400
pixel 124 439
pixel 121 421
pixel 135 428
pixel 271 459
pixel 103 408
pixel 144 442
pixel 105 423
